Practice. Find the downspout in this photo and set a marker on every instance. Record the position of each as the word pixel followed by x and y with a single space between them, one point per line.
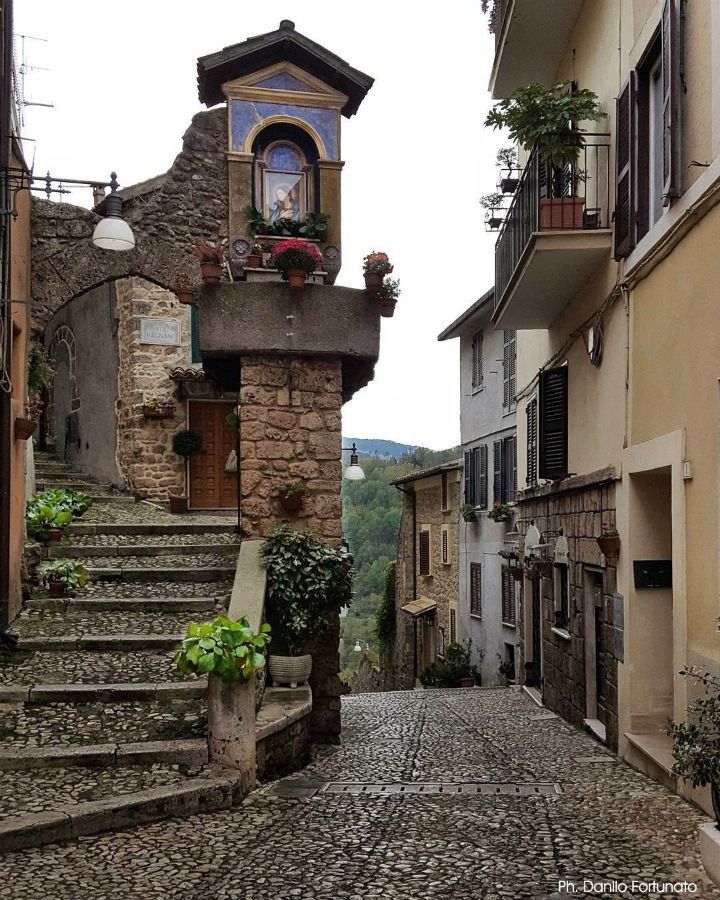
pixel 411 494
pixel 6 431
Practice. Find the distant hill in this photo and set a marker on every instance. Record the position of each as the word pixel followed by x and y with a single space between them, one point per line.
pixel 378 447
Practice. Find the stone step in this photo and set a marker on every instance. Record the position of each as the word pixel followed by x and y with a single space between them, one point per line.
pixel 122 643
pixel 35 693
pixel 115 588
pixel 128 572
pixel 35 667
pixel 73 484
pixel 62 550
pixel 79 621
pixel 138 529
pixel 69 821
pixel 137 605
pixel 182 752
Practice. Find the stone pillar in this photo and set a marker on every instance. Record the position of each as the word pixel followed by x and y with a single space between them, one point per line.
pixel 330 172
pixel 290 430
pixel 240 195
pixel 231 729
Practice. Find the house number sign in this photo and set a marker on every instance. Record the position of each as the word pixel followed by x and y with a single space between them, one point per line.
pixel 165 332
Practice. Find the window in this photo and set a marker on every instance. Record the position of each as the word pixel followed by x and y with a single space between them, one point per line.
pixel 476 590
pixel 505 470
pixel 562 597
pixel 195 354
pixel 444 491
pixel 441 642
pixel 285 173
pixel 509 370
pixel 532 448
pixel 425 551
pixel 509 598
pixel 476 477
pixel 477 361
pixel 453 626
pixel 445 545
pixel 553 424
pixel 648 157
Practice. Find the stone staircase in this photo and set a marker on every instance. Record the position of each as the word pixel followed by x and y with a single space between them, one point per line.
pixel 98 730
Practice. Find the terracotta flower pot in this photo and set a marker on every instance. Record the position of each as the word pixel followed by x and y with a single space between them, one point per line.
pixel 178 504
pixel 24 429
pixel 55 534
pixel 609 544
pixel 296 278
pixel 292 503
pixel 210 272
pixel 561 213
pixel 186 296
pixel 373 281
pixel 467 682
pixel 387 307
pixel 290 670
pixel 158 412
pixel 254 261
pixel 56 588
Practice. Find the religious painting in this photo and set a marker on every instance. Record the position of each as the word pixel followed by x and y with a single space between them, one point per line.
pixel 284 196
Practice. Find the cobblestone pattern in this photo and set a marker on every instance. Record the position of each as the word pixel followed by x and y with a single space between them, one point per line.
pixel 144 447
pixel 61 724
pixel 51 622
pixel 154 540
pixel 99 589
pixel 224 557
pixel 147 514
pixel 609 822
pixel 284 752
pixel 581 514
pixel 82 666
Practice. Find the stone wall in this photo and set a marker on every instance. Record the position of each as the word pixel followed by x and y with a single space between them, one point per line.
pixel 579 507
pixel 290 431
pixel 144 450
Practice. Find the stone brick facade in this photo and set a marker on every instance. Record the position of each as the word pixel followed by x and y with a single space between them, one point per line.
pixel 579 506
pixel 145 456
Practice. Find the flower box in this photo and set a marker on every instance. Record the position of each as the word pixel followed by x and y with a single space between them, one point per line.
pixel 24 429
pixel 561 213
pixel 159 412
pixel 609 544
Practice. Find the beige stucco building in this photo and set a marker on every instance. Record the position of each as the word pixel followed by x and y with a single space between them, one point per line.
pixel 618 364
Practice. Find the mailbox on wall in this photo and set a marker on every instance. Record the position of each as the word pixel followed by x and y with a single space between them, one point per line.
pixel 652 573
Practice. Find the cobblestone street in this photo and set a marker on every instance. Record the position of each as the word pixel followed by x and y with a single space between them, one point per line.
pixel 578 813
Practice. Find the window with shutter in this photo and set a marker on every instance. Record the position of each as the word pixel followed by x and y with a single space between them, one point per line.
pixel 445 545
pixel 553 424
pixel 508 597
pixel 498 472
pixel 671 83
pixel 195 354
pixel 482 455
pixel 477 361
pixel 509 369
pixel 562 597
pixel 509 470
pixel 453 626
pixel 476 590
pixel 443 491
pixel 424 552
pixel 531 415
pixel 467 486
pixel 625 136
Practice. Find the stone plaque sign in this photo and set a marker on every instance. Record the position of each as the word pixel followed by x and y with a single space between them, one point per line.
pixel 165 332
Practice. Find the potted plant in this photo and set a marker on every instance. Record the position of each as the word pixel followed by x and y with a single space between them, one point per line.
pixel 507 160
pixel 548 119
pixel 295 259
pixel 457 670
pixel 500 512
pixel 493 204
pixel 45 520
pixel 62 576
pixel 223 649
pixel 469 512
pixel 292 496
pixel 158 408
pixel 609 541
pixel 25 428
pixel 211 259
pixel 185 443
pixel 376 266
pixel 184 290
pixel 506 670
pixel 308 581
pixel 388 296
pixel 696 749
pixel 254 259
pixel 75 502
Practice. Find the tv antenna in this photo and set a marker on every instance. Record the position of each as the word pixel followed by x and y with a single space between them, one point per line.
pixel 21 67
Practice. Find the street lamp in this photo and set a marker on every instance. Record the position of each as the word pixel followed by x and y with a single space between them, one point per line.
pixel 353 471
pixel 112 232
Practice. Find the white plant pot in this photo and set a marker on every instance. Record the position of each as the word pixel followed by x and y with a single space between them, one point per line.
pixel 710 850
pixel 290 670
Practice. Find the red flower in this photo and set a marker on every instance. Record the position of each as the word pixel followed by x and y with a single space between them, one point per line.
pixel 295 254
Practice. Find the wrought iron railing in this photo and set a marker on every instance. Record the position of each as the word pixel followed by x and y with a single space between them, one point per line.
pixel 574 197
pixel 499 12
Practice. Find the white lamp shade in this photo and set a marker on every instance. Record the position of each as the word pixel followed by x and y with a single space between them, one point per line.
pixel 354 473
pixel 113 233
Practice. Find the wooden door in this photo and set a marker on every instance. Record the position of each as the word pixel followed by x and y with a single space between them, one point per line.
pixel 211 487
pixel 536 675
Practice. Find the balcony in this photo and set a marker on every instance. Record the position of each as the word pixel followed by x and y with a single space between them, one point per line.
pixel 530 39
pixel 555 234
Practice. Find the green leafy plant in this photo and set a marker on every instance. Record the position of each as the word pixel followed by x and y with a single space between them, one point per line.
pixel 75 501
pixel 41 515
pixel 307 581
pixel 548 117
pixel 63 571
pixel 315 225
pixel 430 677
pixel 609 530
pixel 225 648
pixel 468 512
pixel 493 200
pixel 389 289
pixel 187 443
pixel 312 227
pixel 377 261
pixel 696 742
pixel 507 158
pixel 40 369
pixel 385 622
pixel 506 670
pixel 500 512
pixel 231 419
pixel 457 663
pixel 292 488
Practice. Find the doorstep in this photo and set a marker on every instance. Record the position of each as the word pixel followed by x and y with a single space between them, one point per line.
pixel 596 727
pixel 652 755
pixel 535 695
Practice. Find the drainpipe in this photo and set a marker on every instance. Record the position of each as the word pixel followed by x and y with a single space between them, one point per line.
pixel 6 431
pixel 411 494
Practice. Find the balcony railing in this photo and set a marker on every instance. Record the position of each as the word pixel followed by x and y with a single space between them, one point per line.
pixel 551 198
pixel 499 12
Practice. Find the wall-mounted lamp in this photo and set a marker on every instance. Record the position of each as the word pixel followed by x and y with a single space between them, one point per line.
pixel 353 471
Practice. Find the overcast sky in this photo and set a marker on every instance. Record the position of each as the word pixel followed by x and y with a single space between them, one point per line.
pixel 122 81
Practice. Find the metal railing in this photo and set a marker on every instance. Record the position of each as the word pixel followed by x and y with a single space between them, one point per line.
pixel 574 197
pixel 499 12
